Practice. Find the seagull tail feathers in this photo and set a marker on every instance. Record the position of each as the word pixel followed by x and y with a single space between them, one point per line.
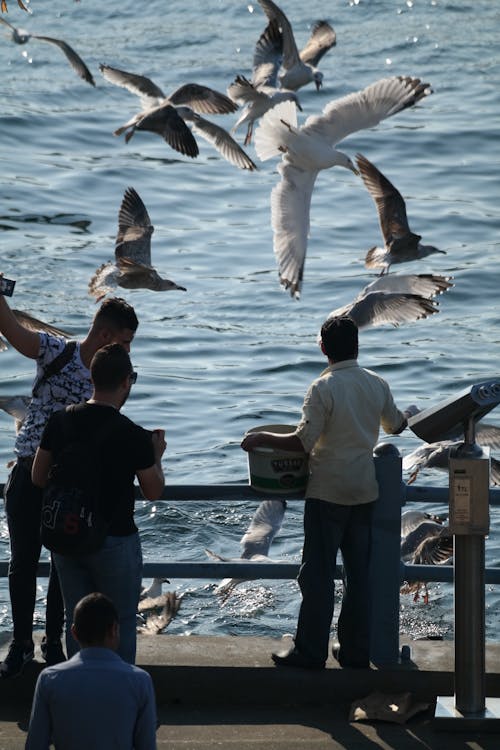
pixel 274 126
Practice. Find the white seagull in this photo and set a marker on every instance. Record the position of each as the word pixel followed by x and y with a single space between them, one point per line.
pixel 132 268
pixel 308 149
pixel 261 93
pixel 299 69
pixel 256 541
pixel 400 243
pixel 167 116
pixel 21 36
pixel 395 299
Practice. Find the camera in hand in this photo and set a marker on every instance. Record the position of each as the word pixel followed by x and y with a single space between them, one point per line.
pixel 7 286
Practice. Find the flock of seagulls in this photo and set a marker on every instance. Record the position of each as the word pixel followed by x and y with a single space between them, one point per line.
pixel 267 103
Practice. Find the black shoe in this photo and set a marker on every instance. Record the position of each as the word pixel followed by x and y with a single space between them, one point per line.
pixel 18 655
pixel 295 659
pixel 352 664
pixel 52 651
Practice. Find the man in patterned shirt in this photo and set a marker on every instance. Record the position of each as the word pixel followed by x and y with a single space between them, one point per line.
pixel 114 322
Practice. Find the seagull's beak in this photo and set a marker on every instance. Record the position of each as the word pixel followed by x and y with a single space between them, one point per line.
pixel 318 84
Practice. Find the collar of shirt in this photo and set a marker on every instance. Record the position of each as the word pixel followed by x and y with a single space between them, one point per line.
pixel 344 365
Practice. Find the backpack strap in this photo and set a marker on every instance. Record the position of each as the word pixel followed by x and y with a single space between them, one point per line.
pixel 55 366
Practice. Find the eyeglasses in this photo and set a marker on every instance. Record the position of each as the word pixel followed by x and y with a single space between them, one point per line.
pixel 133 377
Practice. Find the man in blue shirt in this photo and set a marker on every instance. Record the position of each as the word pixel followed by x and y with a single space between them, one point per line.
pixel 94 700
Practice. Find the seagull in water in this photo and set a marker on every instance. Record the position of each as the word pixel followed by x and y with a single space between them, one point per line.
pixel 132 268
pixel 156 610
pixel 262 92
pixel 299 69
pixel 255 542
pixel 425 540
pixel 20 36
pixel 400 244
pixel 305 151
pixel 395 299
pixel 167 116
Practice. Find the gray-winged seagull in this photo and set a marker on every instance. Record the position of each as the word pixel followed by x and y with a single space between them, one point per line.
pixel 400 243
pixel 132 268
pixel 167 116
pixel 299 69
pixel 262 92
pixel 20 36
pixel 395 299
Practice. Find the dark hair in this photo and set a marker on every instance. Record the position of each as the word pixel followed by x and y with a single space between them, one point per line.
pixel 109 367
pixel 93 618
pixel 116 314
pixel 339 337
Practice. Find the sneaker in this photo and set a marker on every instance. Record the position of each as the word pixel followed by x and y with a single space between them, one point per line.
pixel 52 651
pixel 18 655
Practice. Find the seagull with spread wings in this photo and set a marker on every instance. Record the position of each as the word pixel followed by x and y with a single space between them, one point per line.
pixel 34 324
pixel 400 243
pixel 132 268
pixel 299 69
pixel 256 541
pixel 395 299
pixel 308 149
pixel 20 36
pixel 167 116
pixel 262 92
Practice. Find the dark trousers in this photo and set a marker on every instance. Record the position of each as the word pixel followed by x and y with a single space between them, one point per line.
pixel 327 528
pixel 23 508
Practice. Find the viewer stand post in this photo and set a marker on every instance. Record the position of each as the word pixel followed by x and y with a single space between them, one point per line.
pixel 469 481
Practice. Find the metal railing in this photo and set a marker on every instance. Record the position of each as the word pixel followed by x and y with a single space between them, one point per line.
pixel 388 571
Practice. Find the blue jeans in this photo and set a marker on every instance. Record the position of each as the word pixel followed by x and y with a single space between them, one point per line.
pixel 329 527
pixel 23 503
pixel 114 570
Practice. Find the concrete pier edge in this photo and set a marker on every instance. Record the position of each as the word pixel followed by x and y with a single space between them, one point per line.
pixel 225 692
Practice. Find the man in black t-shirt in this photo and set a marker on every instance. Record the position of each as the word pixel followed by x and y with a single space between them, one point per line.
pixel 127 451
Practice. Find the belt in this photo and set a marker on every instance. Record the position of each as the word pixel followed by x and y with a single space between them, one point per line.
pixel 26 461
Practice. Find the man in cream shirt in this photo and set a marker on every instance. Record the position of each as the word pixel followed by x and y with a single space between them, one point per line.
pixel 341 417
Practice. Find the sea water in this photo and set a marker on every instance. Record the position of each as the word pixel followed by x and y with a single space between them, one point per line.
pixel 235 350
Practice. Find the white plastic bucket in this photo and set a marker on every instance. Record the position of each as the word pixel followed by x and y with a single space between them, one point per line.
pixel 277 471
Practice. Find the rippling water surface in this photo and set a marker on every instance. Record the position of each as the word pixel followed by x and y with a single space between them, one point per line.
pixel 235 351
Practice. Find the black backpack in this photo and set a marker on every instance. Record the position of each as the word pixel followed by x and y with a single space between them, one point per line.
pixel 72 522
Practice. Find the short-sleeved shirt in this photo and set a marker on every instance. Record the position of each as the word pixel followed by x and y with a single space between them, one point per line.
pixel 341 417
pixel 69 386
pixel 126 449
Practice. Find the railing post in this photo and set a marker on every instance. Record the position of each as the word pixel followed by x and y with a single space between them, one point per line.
pixel 385 566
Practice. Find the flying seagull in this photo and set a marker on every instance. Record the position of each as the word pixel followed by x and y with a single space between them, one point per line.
pixel 167 116
pixel 34 324
pixel 299 69
pixel 20 36
pixel 17 407
pixel 395 299
pixel 308 149
pixel 256 541
pixel 262 92
pixel 132 268
pixel 400 243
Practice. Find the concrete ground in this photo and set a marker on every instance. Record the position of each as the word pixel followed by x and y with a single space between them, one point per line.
pixel 225 692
